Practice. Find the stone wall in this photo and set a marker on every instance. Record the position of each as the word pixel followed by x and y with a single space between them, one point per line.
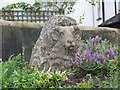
pixel 111 34
pixel 17 35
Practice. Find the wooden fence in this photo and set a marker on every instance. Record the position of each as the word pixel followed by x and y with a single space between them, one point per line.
pixel 29 16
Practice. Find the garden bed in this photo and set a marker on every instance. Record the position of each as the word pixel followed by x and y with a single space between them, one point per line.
pixel 16 73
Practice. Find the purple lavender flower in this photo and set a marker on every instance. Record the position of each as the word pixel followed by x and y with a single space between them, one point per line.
pixel 107 56
pixel 82 56
pixel 112 51
pixel 90 52
pixel 91 59
pixel 106 51
pixel 81 63
pixel 95 50
pixel 97 38
pixel 92 42
pixel 90 55
pixel 98 62
pixel 105 61
pixel 98 57
pixel 78 52
pixel 95 57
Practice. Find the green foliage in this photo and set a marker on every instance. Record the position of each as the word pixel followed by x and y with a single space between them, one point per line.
pixel 84 84
pixel 61 6
pixel 93 2
pixel 0 73
pixel 81 19
pixel 16 74
pixel 110 81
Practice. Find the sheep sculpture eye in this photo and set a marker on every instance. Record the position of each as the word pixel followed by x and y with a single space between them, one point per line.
pixel 61 33
pixel 55 35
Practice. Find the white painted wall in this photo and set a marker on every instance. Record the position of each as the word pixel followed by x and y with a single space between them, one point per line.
pixel 83 7
pixel 91 13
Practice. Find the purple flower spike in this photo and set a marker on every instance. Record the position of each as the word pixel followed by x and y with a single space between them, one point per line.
pixel 107 56
pixel 98 62
pixel 106 51
pixel 81 63
pixel 92 42
pixel 91 59
pixel 78 52
pixel 113 53
pixel 82 56
pixel 98 57
pixel 111 50
pixel 90 55
pixel 96 51
pixel 97 38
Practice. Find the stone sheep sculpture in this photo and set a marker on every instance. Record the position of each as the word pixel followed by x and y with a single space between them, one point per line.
pixel 55 47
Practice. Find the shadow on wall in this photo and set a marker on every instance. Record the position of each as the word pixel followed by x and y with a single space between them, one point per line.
pixel 18 35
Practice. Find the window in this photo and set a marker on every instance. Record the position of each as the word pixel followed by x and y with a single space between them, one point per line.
pixel 119 7
pixel 99 10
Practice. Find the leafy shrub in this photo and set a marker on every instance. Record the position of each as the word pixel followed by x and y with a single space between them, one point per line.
pixel 16 74
pixel 0 73
pixel 41 5
pixel 95 53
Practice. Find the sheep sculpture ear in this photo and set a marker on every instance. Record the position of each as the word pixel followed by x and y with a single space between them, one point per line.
pixel 58 28
pixel 77 33
pixel 76 28
pixel 56 33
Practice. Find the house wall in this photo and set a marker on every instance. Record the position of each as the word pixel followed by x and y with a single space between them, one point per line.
pixel 91 13
pixel 109 10
pixel 82 7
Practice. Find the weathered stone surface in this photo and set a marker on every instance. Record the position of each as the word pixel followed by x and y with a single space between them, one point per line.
pixel 110 34
pixel 57 21
pixel 17 35
pixel 56 50
pixel 50 48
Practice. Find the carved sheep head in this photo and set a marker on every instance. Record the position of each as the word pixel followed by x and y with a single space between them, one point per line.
pixel 65 36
